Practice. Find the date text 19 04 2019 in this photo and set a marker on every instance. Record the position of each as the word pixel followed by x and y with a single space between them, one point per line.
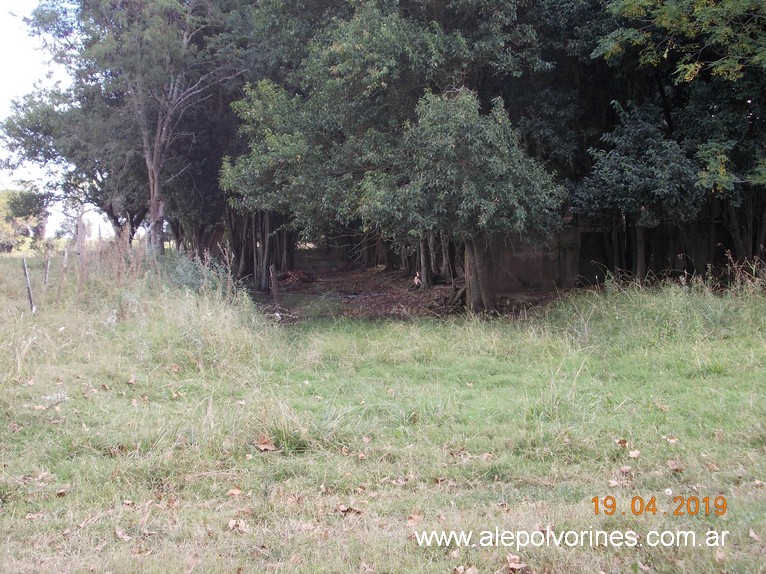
pixel 683 506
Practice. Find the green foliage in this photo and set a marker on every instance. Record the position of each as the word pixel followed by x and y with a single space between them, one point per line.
pixel 644 174
pixel 729 143
pixel 80 137
pixel 726 38
pixel 29 205
pixel 8 233
pixel 470 176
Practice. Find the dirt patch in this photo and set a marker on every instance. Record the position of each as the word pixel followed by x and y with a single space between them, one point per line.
pixel 368 293
pixel 373 293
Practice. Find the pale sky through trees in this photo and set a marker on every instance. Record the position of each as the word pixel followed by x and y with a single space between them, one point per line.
pixel 22 66
pixel 23 63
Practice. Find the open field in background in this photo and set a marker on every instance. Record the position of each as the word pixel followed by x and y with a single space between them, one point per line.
pixel 152 420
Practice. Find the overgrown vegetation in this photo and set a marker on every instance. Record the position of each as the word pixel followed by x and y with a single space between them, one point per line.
pixel 154 420
pixel 410 133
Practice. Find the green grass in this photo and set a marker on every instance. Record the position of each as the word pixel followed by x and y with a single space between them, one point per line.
pixel 135 406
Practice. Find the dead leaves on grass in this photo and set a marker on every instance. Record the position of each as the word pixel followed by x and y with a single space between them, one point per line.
pixel 239 526
pixel 513 564
pixel 265 444
pixel 347 510
pixel 675 466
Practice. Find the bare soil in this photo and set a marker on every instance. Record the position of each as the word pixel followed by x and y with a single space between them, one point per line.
pixel 374 293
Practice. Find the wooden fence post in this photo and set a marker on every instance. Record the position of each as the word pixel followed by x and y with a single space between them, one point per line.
pixel 29 286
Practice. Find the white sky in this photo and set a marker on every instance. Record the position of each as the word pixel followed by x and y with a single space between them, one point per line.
pixel 22 63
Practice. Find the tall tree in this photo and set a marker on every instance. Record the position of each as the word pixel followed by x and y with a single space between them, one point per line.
pixel 642 175
pixel 158 56
pixel 469 175
pixel 88 150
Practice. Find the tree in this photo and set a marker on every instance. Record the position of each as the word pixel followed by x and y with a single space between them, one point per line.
pixel 87 149
pixel 158 58
pixel 643 175
pixel 714 110
pixel 23 214
pixel 727 39
pixel 469 175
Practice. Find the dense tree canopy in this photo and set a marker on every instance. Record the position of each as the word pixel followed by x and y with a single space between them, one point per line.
pixel 417 129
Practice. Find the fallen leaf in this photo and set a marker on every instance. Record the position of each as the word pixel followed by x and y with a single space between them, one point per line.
pixel 625 469
pixel 365 439
pixel 545 529
pixel 61 492
pixel 128 503
pixel 414 519
pixel 514 562
pixel 264 444
pixel 634 453
pixel 622 442
pixel 718 434
pixel 472 570
pixel 346 510
pixel 670 439
pixel 754 535
pixel 122 536
pixel 239 526
pixel 236 491
pixel 675 466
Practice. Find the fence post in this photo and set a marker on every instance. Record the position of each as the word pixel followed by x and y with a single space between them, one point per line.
pixel 29 286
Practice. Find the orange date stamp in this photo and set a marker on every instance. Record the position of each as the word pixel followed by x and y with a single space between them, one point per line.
pixel 682 506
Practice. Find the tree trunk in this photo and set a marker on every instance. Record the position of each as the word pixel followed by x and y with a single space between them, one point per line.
pixel 447 269
pixel 618 259
pixel 265 252
pixel 154 234
pixel 425 264
pixel 761 239
pixel 640 252
pixel 733 226
pixel 473 301
pixel 481 252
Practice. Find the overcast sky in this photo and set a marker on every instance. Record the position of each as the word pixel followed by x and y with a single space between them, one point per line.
pixel 21 65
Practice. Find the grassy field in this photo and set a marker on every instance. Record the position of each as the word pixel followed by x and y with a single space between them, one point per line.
pixel 152 420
